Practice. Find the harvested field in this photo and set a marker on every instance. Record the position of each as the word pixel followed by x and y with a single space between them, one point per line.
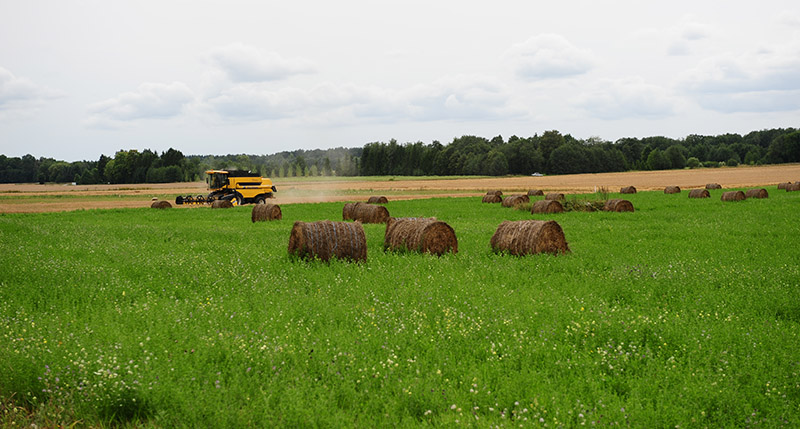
pixel 324 240
pixel 526 237
pixel 29 198
pixel 425 235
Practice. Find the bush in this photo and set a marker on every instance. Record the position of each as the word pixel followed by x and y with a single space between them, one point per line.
pixel 693 162
pixel 732 163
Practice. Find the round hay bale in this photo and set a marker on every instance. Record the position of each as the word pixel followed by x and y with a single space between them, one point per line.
pixel 377 200
pixel 555 196
pixel 498 193
pixel 161 205
pixel 628 190
pixel 365 213
pixel 793 187
pixel 618 205
pixel 535 193
pixel 324 240
pixel 672 190
pixel 221 204
pixel 515 200
pixel 547 206
pixel 491 198
pixel 783 185
pixel 265 212
pixel 713 186
pixel 733 196
pixel 757 193
pixel 426 235
pixel 699 193
pixel 529 237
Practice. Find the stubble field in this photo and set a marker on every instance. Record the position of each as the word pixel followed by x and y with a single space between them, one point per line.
pixel 684 313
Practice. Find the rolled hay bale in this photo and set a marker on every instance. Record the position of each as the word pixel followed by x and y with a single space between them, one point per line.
pixel 425 235
pixel 757 193
pixel 672 190
pixel 498 193
pixel 699 193
pixel 526 237
pixel 161 205
pixel 713 186
pixel 793 187
pixel 628 190
pixel 491 198
pixel 535 193
pixel 618 205
pixel 733 196
pixel 547 206
pixel 324 240
pixel 365 213
pixel 783 185
pixel 265 212
pixel 555 196
pixel 515 200
pixel 221 204
pixel 377 200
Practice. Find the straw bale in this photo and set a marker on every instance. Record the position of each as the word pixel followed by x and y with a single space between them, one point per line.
pixel 783 185
pixel 324 240
pixel 628 190
pixel 672 190
pixel 713 186
pixel 265 212
pixel 426 235
pixel 492 198
pixel 535 193
pixel 547 206
pixel 529 237
pixel 555 196
pixel 618 205
pixel 699 193
pixel 221 204
pixel 515 200
pixel 365 213
pixel 793 187
pixel 757 193
pixel 377 200
pixel 161 205
pixel 733 196
pixel 498 193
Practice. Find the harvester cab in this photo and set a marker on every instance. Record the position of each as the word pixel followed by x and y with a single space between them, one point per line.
pixel 239 187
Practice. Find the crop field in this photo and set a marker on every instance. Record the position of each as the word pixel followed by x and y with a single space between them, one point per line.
pixel 684 313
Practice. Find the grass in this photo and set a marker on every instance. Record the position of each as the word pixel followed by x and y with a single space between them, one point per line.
pixel 686 312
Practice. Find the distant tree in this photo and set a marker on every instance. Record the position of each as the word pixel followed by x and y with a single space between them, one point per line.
pixel 657 161
pixel 692 162
pixel 675 156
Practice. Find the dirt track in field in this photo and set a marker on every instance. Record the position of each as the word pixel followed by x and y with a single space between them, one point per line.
pixel 55 197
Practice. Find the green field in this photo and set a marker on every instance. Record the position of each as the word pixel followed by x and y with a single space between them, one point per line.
pixel 685 313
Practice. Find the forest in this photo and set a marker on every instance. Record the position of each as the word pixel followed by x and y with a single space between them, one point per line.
pixel 548 153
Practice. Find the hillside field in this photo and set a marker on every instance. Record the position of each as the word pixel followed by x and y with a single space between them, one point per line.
pixel 683 313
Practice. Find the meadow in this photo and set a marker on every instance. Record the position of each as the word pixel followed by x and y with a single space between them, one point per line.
pixel 685 313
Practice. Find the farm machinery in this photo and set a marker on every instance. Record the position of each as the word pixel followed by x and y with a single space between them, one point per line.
pixel 237 186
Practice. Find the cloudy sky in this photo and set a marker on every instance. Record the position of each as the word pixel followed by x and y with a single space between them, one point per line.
pixel 84 78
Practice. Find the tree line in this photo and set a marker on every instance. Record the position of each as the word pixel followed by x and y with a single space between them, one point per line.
pixel 549 153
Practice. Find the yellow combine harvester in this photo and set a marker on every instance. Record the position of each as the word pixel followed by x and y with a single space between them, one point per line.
pixel 239 187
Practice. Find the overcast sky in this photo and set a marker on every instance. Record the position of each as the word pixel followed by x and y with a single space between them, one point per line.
pixel 83 78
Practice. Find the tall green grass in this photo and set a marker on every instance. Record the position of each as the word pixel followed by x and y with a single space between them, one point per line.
pixel 686 312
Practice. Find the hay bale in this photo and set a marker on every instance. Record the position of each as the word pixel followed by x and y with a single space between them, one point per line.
pixel 555 196
pixel 365 213
pixel 618 205
pixel 324 240
pixel 784 185
pixel 377 200
pixel 546 207
pixel 628 190
pixel 713 186
pixel 699 193
pixel 672 190
pixel 426 235
pixel 793 187
pixel 529 237
pixel 756 193
pixel 221 204
pixel 161 205
pixel 265 212
pixel 535 193
pixel 515 200
pixel 498 193
pixel 492 198
pixel 733 196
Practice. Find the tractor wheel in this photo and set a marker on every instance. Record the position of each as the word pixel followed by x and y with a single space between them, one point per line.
pixel 239 199
pixel 261 199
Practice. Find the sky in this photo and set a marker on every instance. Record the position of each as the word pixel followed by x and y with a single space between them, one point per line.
pixel 83 78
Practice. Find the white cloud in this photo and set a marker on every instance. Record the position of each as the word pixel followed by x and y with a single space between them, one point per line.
pixel 243 63
pixel 462 98
pixel 149 101
pixel 767 80
pixel 628 98
pixel 548 56
pixel 684 35
pixel 21 95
